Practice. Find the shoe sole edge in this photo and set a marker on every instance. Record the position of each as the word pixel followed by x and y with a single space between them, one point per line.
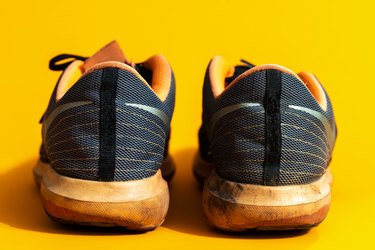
pixel 232 206
pixel 135 205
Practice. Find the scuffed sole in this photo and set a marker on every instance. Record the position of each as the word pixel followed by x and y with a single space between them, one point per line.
pixel 232 206
pixel 135 205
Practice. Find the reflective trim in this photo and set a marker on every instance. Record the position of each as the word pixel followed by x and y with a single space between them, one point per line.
pixel 321 118
pixel 224 111
pixel 58 110
pixel 159 113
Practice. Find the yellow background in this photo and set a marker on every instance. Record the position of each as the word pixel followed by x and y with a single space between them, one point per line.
pixel 333 39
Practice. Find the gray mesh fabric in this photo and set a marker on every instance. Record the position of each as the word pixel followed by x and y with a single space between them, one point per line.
pixel 72 145
pixel 305 148
pixel 237 139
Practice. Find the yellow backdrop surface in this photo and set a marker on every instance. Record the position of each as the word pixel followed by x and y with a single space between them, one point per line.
pixel 333 39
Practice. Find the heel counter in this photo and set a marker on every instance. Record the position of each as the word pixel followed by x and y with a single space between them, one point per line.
pixel 256 134
pixel 142 129
pixel 270 144
pixel 71 144
pixel 237 145
pixel 119 135
pixel 306 133
pixel 305 152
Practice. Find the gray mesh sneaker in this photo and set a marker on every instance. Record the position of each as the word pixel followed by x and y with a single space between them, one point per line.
pixel 265 143
pixel 105 141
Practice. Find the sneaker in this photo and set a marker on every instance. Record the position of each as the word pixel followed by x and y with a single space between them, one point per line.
pixel 265 144
pixel 105 141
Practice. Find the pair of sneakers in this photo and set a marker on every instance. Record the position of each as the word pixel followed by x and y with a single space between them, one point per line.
pixel 265 143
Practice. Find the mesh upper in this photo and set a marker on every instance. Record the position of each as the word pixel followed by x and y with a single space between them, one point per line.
pixel 237 140
pixel 72 140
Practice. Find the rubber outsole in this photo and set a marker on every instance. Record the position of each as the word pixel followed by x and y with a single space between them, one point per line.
pixel 139 205
pixel 232 206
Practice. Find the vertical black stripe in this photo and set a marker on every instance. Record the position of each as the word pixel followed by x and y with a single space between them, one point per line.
pixel 271 104
pixel 107 124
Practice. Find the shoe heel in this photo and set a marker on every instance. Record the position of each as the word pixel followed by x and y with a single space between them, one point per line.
pixel 136 205
pixel 232 206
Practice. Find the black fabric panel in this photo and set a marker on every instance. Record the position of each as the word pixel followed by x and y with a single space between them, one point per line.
pixel 271 104
pixel 166 147
pixel 204 145
pixel 43 154
pixel 107 124
pixel 238 70
pixel 144 72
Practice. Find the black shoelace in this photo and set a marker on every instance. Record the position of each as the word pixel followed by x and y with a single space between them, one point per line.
pixel 250 65
pixel 238 70
pixel 61 62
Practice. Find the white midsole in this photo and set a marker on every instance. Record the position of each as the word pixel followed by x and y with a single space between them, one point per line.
pixel 258 195
pixel 97 191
